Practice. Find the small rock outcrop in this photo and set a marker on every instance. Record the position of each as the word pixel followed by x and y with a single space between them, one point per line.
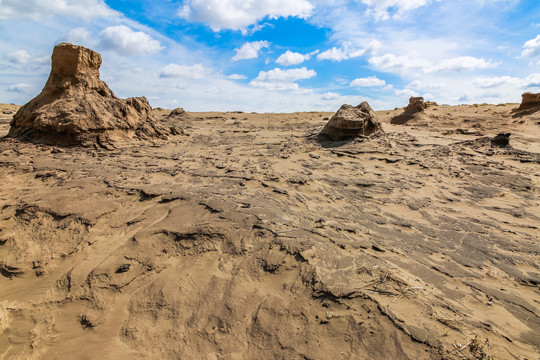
pixel 529 101
pixel 178 114
pixel 77 108
pixel 501 140
pixel 350 121
pixel 416 105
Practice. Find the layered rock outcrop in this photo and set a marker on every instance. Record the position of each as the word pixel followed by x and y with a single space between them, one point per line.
pixel 77 108
pixel 350 122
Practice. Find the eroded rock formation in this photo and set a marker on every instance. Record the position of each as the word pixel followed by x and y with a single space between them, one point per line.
pixel 77 108
pixel 416 105
pixel 350 121
pixel 529 101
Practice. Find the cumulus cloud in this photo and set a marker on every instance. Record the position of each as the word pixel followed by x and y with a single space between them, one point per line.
pixel 490 82
pixel 406 63
pixel 288 75
pixel 37 9
pixel 346 51
pixel 330 96
pixel 20 87
pixel 391 62
pixel 380 8
pixel 237 77
pixel 78 35
pixel 125 41
pixel 532 80
pixel 371 81
pixel 419 85
pixel 406 92
pixel 280 80
pixel 239 14
pixel 250 50
pixel 294 58
pixel 196 71
pixel 531 47
pixel 459 64
pixel 18 57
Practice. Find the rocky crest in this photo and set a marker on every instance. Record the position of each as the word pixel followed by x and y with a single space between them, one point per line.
pixel 350 121
pixel 77 108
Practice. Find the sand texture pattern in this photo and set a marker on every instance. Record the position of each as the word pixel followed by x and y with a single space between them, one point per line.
pixel 253 239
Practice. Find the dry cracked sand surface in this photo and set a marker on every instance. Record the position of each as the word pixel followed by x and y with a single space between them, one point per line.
pixel 250 239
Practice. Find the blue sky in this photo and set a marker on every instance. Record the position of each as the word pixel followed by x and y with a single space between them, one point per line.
pixel 282 55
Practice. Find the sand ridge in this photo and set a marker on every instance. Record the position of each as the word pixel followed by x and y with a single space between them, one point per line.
pixel 252 238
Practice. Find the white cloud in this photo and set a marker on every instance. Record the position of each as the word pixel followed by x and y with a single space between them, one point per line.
pixel 237 77
pixel 330 96
pixel 288 75
pixel 391 62
pixel 196 71
pixel 275 86
pixel 532 80
pixel 38 9
pixel 250 50
pixel 346 52
pixel 281 80
pixel 239 14
pixel 125 41
pixel 20 87
pixel 333 54
pixel 406 92
pixel 42 59
pixel 532 47
pixel 459 64
pixel 294 58
pixel 404 63
pixel 379 8
pixel 18 57
pixel 419 85
pixel 370 81
pixel 78 35
pixel 490 82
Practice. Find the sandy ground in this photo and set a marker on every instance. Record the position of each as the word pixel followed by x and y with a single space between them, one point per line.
pixel 250 239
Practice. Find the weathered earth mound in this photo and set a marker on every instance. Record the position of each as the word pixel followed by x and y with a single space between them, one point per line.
pixel 529 103
pixel 350 121
pixel 77 108
pixel 177 113
pixel 416 106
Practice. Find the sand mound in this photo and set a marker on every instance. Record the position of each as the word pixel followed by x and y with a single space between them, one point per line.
pixel 416 106
pixel 352 121
pixel 76 108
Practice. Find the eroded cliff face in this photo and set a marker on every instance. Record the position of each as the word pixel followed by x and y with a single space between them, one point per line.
pixel 77 108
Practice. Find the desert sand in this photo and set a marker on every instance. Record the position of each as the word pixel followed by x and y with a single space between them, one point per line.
pixel 247 237
pixel 250 236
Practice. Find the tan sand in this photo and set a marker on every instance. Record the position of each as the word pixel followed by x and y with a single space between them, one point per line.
pixel 249 239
